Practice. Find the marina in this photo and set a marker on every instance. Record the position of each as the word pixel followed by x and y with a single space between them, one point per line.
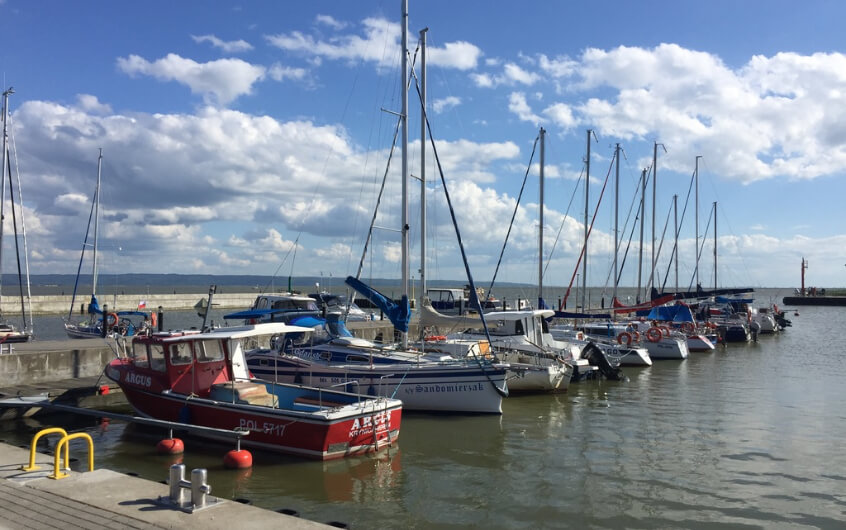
pixel 736 436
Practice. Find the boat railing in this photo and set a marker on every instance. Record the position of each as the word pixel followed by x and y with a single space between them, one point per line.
pixel 344 384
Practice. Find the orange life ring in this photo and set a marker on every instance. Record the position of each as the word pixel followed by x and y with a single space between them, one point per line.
pixel 636 336
pixel 665 330
pixel 113 318
pixel 434 338
pixel 688 327
pixel 653 334
pixel 624 335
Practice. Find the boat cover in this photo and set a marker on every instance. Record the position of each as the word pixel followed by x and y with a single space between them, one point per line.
pixel 399 314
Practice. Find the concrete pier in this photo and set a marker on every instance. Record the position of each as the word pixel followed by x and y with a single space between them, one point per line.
pixel 106 499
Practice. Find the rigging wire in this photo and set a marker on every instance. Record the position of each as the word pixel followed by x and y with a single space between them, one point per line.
pixel 513 215
pixel 563 221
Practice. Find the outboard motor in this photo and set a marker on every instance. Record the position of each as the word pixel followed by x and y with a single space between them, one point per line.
pixel 596 357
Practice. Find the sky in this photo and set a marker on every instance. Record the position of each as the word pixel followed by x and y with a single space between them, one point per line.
pixel 253 137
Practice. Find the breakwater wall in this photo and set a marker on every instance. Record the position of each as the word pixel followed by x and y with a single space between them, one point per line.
pixel 815 300
pixel 60 304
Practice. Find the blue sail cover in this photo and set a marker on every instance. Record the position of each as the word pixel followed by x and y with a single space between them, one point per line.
pixel 673 313
pixel 399 314
pixel 94 306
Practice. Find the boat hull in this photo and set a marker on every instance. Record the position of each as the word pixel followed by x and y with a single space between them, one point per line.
pixel 421 387
pixel 273 429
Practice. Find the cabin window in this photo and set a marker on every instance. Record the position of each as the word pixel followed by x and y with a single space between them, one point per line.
pixel 139 355
pixel 180 353
pixel 209 351
pixel 357 359
pixel 326 356
pixel 157 357
pixel 518 328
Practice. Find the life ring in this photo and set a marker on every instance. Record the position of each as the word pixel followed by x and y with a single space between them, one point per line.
pixel 653 334
pixel 665 330
pixel 624 336
pixel 111 320
pixel 688 327
pixel 636 336
pixel 434 338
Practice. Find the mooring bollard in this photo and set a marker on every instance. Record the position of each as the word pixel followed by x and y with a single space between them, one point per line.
pixel 200 489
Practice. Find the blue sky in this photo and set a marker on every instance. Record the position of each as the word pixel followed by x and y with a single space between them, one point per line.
pixel 247 137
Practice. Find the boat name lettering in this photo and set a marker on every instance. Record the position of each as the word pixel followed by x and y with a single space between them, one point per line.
pixel 138 379
pixel 365 425
pixel 267 427
pixel 427 389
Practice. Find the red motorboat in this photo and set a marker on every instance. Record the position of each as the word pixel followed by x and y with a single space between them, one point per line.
pixel 201 378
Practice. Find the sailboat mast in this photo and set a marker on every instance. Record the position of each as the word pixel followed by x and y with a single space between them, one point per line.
pixel 540 220
pixel 715 245
pixel 6 95
pixel 642 212
pixel 422 166
pixel 652 281
pixel 696 215
pixel 404 120
pixel 96 223
pixel 676 242
pixel 616 220
pixel 587 221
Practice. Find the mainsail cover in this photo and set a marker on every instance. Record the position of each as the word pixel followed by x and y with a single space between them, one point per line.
pixel 399 314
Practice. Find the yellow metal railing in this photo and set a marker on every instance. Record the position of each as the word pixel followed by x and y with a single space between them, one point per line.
pixel 57 471
pixel 63 444
pixel 39 434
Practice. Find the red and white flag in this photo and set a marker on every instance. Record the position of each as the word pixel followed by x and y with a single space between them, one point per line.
pixel 142 304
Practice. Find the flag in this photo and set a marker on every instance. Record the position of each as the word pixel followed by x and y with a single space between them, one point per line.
pixel 142 304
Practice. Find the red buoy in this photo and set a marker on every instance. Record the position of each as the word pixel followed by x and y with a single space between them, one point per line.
pixel 170 446
pixel 238 459
pixel 103 390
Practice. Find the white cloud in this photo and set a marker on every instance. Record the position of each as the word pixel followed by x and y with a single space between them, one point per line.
pixel 219 81
pixel 516 74
pixel 440 105
pixel 278 72
pixel 90 103
pixel 379 44
pixel 328 20
pixel 235 46
pixel 517 104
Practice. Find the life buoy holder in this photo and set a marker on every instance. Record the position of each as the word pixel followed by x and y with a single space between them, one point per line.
pixel 688 327
pixel 435 338
pixel 664 330
pixel 653 334
pixel 111 320
pixel 624 338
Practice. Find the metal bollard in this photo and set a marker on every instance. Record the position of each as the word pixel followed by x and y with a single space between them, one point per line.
pixel 178 493
pixel 199 488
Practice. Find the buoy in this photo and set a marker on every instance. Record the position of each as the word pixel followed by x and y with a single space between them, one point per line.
pixel 170 446
pixel 238 459
pixel 103 390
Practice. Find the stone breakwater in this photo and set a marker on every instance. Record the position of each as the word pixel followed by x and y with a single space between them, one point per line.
pixel 59 304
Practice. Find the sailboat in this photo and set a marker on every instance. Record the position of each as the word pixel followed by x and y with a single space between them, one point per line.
pixel 8 332
pixel 98 323
pixel 331 357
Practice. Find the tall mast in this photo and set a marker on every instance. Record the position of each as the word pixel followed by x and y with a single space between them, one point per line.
pixel 540 218
pixel 422 167
pixel 616 220
pixel 404 121
pixel 587 221
pixel 676 242
pixel 6 95
pixel 652 281
pixel 96 223
pixel 696 215
pixel 642 212
pixel 715 245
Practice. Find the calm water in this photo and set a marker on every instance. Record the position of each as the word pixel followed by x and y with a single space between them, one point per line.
pixel 749 436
